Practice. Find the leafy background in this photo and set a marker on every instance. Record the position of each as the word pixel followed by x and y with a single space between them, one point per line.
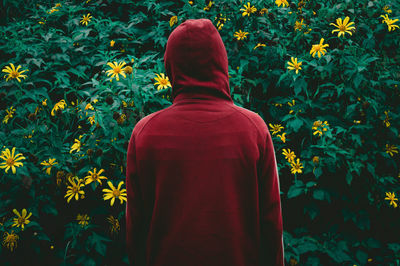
pixel 334 211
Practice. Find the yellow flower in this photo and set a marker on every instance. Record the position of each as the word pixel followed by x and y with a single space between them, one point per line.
pixel 294 65
pixel 112 42
pixel 247 10
pixel 60 105
pixel 299 25
pixel 89 106
pixel 296 166
pixel 83 219
pixel 343 27
pixel 10 240
pixel 21 220
pixel 389 22
pixel 283 138
pixel 162 81
pixel 10 111
pixel 387 10
pixel 392 198
pixel 114 224
pixel 13 73
pixel 281 2
pixel 240 35
pixel 44 102
pixel 275 128
pixel 173 20
pixel 320 127
pixel 259 45
pixel 77 145
pixel 390 149
pixel 116 69
pixel 319 48
pixel 221 21
pixel 92 119
pixel 114 193
pixel 74 189
pixel 49 164
pixel 289 155
pixel 86 19
pixel 263 11
pixel 10 160
pixel 386 121
pixel 128 70
pixel 207 7
pixel 94 176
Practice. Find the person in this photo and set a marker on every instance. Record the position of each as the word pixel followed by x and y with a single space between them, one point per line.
pixel 202 180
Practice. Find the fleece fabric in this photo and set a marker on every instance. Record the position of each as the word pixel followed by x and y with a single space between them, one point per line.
pixel 202 179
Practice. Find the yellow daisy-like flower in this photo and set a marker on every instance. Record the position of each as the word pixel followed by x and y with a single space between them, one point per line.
pixel 162 81
pixel 240 35
pixel 320 127
pixel 343 27
pixel 44 102
pixel 387 10
pixel 289 155
pixel 21 220
pixel 77 145
pixel 263 11
pixel 92 119
pixel 60 105
pixel 283 138
pixel 86 19
pixel 275 128
pixel 10 111
pixel 390 149
pixel 93 176
pixel 299 25
pixel 392 197
pixel 319 48
pixel 114 224
pixel 11 160
pixel 116 70
pixel 10 240
pixel 173 20
pixel 294 65
pixel 282 2
pixel 13 72
pixel 221 21
pixel 389 22
pixel 114 193
pixel 75 188
pixel 49 164
pixel 112 42
pixel 296 166
pixel 83 219
pixel 208 7
pixel 247 10
pixel 259 45
pixel 386 121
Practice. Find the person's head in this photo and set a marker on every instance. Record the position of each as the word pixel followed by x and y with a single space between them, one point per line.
pixel 195 58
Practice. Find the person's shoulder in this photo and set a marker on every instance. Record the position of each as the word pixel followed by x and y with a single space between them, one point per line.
pixel 141 124
pixel 252 116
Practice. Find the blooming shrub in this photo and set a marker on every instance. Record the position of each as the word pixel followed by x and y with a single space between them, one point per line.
pixel 78 75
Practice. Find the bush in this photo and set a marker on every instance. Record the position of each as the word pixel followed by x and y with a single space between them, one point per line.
pixel 333 115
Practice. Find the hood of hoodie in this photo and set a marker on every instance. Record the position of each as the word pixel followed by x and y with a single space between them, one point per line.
pixel 196 61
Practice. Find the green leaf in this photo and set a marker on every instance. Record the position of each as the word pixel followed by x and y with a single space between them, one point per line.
pixel 295 124
pixel 97 241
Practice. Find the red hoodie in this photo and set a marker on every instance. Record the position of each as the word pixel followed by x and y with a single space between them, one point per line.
pixel 202 179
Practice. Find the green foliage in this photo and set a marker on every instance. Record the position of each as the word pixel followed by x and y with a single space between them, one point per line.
pixel 335 209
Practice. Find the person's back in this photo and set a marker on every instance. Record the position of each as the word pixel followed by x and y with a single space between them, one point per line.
pixel 202 178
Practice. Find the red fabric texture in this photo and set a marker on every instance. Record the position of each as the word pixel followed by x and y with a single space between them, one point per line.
pixel 202 179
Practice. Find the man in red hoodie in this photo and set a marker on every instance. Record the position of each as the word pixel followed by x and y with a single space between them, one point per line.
pixel 202 179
